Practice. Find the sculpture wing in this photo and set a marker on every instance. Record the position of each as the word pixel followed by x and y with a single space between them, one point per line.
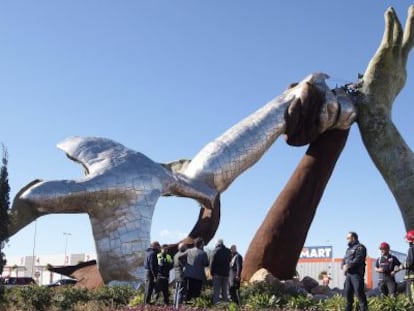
pixel 96 154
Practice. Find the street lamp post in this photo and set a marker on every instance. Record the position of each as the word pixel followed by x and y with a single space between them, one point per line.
pixel 34 248
pixel 66 234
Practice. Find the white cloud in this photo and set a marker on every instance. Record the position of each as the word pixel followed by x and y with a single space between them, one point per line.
pixel 168 236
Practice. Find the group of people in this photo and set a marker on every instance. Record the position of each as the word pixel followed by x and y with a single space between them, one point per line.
pixel 189 268
pixel 157 263
pixel 387 265
pixel 226 265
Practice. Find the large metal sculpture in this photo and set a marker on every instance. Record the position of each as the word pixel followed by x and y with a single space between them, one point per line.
pixel 119 192
pixel 121 186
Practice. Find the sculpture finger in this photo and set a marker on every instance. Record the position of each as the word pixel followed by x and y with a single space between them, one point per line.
pixel 316 110
pixel 329 112
pixel 387 37
pixel 303 116
pixel 397 34
pixel 408 39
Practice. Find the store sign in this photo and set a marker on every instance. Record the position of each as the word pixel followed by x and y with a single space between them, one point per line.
pixel 316 252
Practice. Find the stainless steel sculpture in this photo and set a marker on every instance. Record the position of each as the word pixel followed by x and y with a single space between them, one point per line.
pixel 122 186
pixel 119 192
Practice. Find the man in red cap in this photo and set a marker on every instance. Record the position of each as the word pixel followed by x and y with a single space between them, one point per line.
pixel 386 266
pixel 409 266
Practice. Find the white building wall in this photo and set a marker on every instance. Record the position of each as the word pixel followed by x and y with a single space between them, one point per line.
pixel 313 269
pixel 315 259
pixel 35 267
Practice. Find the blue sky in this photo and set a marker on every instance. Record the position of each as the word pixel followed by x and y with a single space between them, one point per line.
pixel 165 78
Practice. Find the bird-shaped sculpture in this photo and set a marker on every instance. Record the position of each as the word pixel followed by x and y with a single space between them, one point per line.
pixel 118 192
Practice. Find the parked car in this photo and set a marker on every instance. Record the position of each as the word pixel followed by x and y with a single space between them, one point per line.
pixel 62 282
pixel 17 281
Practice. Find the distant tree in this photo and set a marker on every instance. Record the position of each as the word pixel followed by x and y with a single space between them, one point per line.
pixel 4 206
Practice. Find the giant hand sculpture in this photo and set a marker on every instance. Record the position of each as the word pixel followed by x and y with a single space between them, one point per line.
pixel 122 186
pixel 383 79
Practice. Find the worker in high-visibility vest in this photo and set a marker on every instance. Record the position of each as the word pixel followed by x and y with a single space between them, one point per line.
pixel 165 264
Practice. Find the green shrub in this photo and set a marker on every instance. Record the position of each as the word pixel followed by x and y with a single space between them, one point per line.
pixel 385 303
pixel 263 301
pixel 262 295
pixel 205 300
pixel 299 302
pixel 2 295
pixel 66 298
pixel 200 302
pixel 259 296
pixel 233 307
pixel 136 300
pixel 114 296
pixel 260 288
pixel 36 298
pixel 335 303
pixel 91 306
pixel 10 299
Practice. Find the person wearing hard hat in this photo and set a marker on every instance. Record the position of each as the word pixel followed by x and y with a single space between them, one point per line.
pixel 386 266
pixel 409 266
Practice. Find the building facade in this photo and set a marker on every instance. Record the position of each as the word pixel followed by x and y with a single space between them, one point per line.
pixel 316 260
pixel 36 267
pixel 313 262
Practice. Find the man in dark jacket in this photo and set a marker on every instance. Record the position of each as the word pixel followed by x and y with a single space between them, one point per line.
pixel 151 270
pixel 220 268
pixel 196 261
pixel 236 266
pixel 353 266
pixel 180 284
